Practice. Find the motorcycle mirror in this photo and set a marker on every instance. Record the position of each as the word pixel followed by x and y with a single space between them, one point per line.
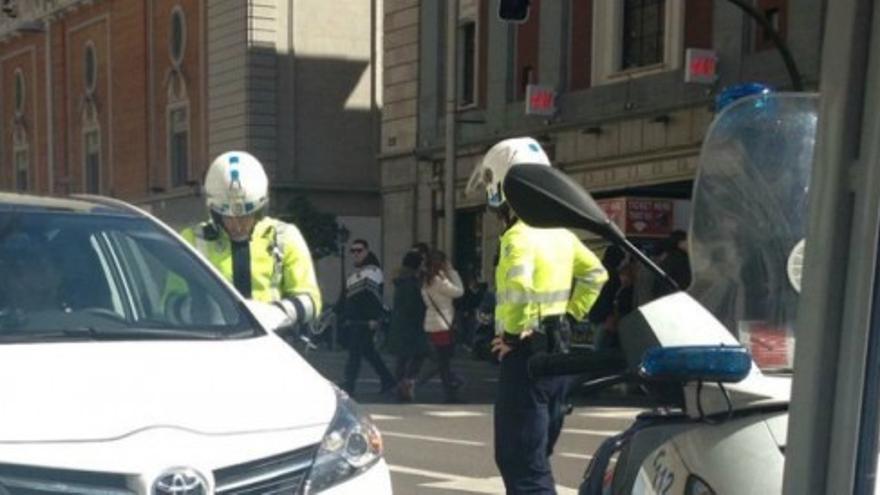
pixel 545 197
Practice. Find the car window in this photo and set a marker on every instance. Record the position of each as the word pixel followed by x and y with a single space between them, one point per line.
pixel 66 274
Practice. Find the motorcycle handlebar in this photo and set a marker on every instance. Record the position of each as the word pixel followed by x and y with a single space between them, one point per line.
pixel 594 362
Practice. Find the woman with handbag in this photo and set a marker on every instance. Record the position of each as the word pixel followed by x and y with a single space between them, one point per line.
pixel 441 285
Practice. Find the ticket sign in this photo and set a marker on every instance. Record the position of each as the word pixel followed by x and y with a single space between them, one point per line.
pixel 540 100
pixel 641 217
pixel 701 66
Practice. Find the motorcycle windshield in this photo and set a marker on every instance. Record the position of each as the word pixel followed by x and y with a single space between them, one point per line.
pixel 750 217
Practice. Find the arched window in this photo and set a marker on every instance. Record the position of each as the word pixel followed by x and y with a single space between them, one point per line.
pixel 91 129
pixel 177 112
pixel 177 39
pixel 90 68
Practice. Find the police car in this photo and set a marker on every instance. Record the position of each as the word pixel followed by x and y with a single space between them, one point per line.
pixel 110 386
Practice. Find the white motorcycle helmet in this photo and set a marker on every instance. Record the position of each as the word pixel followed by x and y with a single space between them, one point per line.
pixel 493 168
pixel 236 185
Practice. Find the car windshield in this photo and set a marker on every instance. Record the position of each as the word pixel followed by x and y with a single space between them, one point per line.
pixel 71 275
pixel 750 218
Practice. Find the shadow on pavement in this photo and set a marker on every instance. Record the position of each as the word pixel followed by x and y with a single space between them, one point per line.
pixel 480 383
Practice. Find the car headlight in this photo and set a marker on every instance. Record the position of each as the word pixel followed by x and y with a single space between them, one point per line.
pixel 351 445
pixel 696 486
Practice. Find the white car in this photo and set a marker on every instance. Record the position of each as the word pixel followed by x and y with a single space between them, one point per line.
pixel 131 367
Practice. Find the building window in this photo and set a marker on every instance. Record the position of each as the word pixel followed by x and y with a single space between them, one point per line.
pixel 177 109
pixel 20 148
pixel 633 38
pixel 19 93
pixel 580 43
pixel 643 26
pixel 92 160
pixel 21 169
pixel 177 38
pixel 528 36
pixel 178 144
pixel 467 59
pixel 90 68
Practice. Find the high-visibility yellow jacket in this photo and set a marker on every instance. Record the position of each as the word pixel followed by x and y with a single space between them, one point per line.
pixel 280 261
pixel 541 273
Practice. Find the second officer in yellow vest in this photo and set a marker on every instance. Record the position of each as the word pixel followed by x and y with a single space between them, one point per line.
pixel 542 276
pixel 266 259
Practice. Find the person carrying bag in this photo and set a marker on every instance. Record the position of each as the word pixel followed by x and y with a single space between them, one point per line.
pixel 441 285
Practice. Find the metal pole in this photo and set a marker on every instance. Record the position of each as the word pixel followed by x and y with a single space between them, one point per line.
pixel 451 104
pixel 796 81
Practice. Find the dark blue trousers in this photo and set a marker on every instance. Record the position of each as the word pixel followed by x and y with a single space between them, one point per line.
pixel 528 420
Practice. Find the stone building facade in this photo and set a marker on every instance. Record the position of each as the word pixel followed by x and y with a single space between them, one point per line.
pixel 626 122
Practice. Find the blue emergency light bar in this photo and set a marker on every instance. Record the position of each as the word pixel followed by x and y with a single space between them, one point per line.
pixel 735 92
pixel 724 364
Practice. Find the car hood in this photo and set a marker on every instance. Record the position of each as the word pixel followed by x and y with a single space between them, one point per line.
pixel 98 391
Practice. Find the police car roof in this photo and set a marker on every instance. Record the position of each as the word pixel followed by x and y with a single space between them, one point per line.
pixel 83 204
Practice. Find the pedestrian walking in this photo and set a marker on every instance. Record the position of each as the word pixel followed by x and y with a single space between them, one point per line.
pixel 407 340
pixel 441 285
pixel 362 313
pixel 535 292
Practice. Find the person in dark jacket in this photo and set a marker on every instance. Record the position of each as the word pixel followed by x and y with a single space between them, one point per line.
pixel 675 262
pixel 362 313
pixel 602 315
pixel 406 338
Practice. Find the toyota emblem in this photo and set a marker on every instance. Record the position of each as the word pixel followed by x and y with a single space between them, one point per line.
pixel 180 481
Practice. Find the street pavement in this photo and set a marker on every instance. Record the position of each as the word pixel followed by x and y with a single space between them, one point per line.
pixel 432 447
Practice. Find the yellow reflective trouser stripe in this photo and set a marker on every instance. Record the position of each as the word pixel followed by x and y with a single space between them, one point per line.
pixel 518 271
pixel 524 297
pixel 593 276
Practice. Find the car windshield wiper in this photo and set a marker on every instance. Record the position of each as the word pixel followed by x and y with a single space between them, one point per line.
pixel 117 334
pixel 142 333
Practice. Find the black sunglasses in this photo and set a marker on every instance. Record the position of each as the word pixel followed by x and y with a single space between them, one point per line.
pixel 356 250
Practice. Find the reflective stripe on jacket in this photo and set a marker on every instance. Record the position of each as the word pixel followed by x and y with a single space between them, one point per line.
pixel 281 264
pixel 543 272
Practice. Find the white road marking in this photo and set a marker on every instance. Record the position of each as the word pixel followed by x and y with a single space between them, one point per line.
pixel 384 417
pixel 453 441
pixel 454 414
pixel 582 457
pixel 595 433
pixel 611 413
pixel 449 481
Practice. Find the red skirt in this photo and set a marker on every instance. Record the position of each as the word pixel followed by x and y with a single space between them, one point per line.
pixel 442 338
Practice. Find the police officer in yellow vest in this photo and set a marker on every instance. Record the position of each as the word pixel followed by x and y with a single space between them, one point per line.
pixel 542 276
pixel 266 259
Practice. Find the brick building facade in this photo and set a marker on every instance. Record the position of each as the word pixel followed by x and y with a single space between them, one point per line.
pixel 103 97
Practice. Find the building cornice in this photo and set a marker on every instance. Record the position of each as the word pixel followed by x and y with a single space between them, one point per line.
pixel 31 16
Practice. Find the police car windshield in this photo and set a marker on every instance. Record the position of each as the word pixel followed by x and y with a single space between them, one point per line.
pixel 68 274
pixel 750 219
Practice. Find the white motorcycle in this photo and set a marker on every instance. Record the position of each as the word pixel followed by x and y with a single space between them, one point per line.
pixel 716 359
